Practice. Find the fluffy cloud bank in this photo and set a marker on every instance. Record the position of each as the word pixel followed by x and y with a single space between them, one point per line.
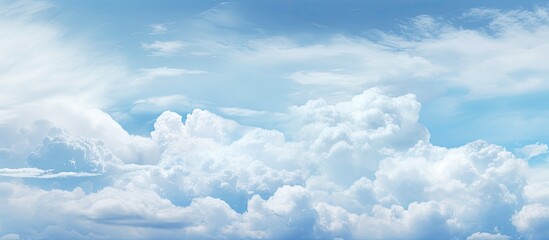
pixel 359 169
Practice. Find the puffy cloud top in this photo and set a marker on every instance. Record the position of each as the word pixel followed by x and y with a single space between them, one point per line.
pixel 357 169
pixel 65 153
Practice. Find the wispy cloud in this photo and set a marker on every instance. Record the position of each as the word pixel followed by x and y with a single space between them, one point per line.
pixel 40 173
pixel 147 74
pixel 242 112
pixel 162 103
pixel 334 78
pixel 533 150
pixel 158 28
pixel 223 15
pixel 37 69
pixel 163 48
pixel 167 72
pixel 430 53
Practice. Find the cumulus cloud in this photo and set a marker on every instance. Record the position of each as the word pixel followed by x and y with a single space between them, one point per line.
pixel 358 169
pixel 26 126
pixel 532 220
pixel 63 152
pixel 537 192
pixel 349 138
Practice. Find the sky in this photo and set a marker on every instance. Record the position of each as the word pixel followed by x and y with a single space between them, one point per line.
pixel 274 119
pixel 205 38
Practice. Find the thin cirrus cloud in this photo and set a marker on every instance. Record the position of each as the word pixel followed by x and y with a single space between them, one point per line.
pixel 237 111
pixel 166 72
pixel 163 48
pixel 145 75
pixel 162 103
pixel 158 28
pixel 40 173
pixel 36 68
pixel 362 167
pixel 512 42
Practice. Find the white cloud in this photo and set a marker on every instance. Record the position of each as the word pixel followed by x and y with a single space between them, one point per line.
pixel 223 15
pixel 357 62
pixel 537 192
pixel 25 127
pixel 158 28
pixel 431 56
pixel 532 221
pixel 475 181
pixel 163 103
pixel 21 172
pixel 151 73
pixel 361 168
pixel 37 68
pixel 349 138
pixel 533 218
pixel 40 173
pixel 63 152
pixel 108 213
pixel 288 213
pixel 329 78
pixel 532 150
pixel 487 236
pixel 148 74
pixel 10 237
pixel 515 19
pixel 243 112
pixel 23 9
pixel 163 48
pixel 427 185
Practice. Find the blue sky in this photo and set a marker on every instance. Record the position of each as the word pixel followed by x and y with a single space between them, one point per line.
pixel 274 119
pixel 122 28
